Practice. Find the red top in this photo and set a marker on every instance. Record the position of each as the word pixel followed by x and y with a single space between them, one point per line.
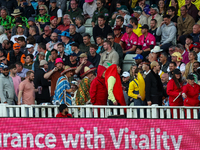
pixel 60 115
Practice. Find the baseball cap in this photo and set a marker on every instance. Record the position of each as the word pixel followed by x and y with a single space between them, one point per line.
pixel 154 6
pixel 138 57
pixel 117 28
pixel 29 45
pixel 52 17
pixel 129 26
pixel 83 55
pixel 21 26
pixel 123 7
pixel 4 66
pixel 145 26
pixel 43 62
pixel 31 19
pixel 190 77
pixel 125 74
pixel 196 45
pixel 73 54
pixel 16 46
pixel 42 53
pixel 74 44
pixel 52 1
pixel 137 9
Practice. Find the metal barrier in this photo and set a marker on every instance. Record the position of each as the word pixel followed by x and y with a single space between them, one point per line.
pixel 94 111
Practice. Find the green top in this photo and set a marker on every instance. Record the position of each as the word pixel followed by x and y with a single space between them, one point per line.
pixel 103 11
pixel 74 14
pixel 47 54
pixel 6 23
pixel 24 19
pixel 44 19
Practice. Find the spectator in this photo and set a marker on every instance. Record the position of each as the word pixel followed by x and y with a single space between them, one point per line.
pixel 118 34
pixel 154 15
pixel 15 55
pixel 164 62
pixel 146 42
pixel 53 43
pixel 5 19
pixel 189 66
pixel 43 18
pixel 15 78
pixel 80 28
pixel 188 43
pixel 120 22
pixel 55 11
pixel 98 91
pixel 21 71
pixel 184 24
pixel 132 72
pixel 20 33
pixel 64 26
pixel 53 57
pixel 100 11
pixel 145 8
pixel 26 8
pixel 109 56
pixel 191 93
pixel 130 39
pixel 45 37
pixel 136 26
pixel 63 112
pixel 6 46
pixel 196 33
pixel 165 80
pixel 99 40
pixel 42 48
pixel 53 23
pixel 54 74
pixel 32 23
pixel 172 66
pixel 73 61
pixel 196 70
pixel 93 57
pixel 3 36
pixel 172 12
pixel 76 37
pixel 4 60
pixel 192 9
pixel 82 63
pixel 83 95
pixel 167 30
pixel 123 12
pixel 101 29
pixel 88 8
pixel 177 58
pixel 161 7
pixel 137 12
pixel 74 11
pixel 62 54
pixel 153 85
pixel 179 48
pixel 22 44
pixel 138 59
pixel 66 39
pixel 31 50
pixel 196 48
pixel 125 81
pixel 28 62
pixel 7 91
pixel 41 56
pixel 115 13
pixel 14 29
pixel 27 90
pixel 33 32
pixel 114 85
pixel 75 49
pixel 62 5
pixel 153 30
pixel 174 90
pixel 85 46
pixel 43 95
pixel 10 5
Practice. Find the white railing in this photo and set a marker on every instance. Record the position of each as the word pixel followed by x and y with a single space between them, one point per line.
pixel 91 111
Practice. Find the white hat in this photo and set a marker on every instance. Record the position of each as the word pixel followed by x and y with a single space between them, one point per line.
pixel 29 45
pixel 125 74
pixel 156 49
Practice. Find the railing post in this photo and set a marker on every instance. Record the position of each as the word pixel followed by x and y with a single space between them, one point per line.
pixel 23 110
pixel 3 112
pixel 154 111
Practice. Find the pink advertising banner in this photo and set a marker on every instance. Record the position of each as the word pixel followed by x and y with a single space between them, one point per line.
pixel 61 133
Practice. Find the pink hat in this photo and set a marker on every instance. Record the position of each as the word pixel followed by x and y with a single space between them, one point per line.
pixel 59 60
pixel 88 1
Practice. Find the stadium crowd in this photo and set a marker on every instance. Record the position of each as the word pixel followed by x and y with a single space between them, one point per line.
pixel 48 57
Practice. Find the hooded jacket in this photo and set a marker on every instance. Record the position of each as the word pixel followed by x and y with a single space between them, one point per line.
pixel 98 90
pixel 168 33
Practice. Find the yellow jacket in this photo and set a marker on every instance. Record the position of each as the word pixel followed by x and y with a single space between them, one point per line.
pixel 138 31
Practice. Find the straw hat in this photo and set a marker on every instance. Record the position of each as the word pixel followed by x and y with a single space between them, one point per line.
pixel 16 12
pixel 156 49
pixel 86 71
pixel 68 68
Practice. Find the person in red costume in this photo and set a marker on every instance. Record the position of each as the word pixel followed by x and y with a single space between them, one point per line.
pixel 98 91
pixel 191 93
pixel 114 85
pixel 174 89
pixel 63 112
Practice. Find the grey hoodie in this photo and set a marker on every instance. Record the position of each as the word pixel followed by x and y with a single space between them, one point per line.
pixel 168 33
pixel 7 91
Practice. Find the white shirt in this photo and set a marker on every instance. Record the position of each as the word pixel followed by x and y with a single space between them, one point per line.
pixel 59 13
pixel 89 9
pixel 16 36
pixel 126 19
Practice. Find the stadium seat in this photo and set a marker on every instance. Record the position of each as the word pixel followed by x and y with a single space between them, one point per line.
pixel 92 40
pixel 89 30
pixel 128 62
pixel 88 22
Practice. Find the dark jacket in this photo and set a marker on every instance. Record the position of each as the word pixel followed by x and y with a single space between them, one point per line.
pixel 27 11
pixel 77 38
pixel 164 67
pixel 13 59
pixel 193 11
pixel 40 81
pixel 94 60
pixel 9 4
pixel 41 39
pixel 154 88
pixel 97 31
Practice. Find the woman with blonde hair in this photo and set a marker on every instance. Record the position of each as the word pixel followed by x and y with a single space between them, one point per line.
pixel 132 72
